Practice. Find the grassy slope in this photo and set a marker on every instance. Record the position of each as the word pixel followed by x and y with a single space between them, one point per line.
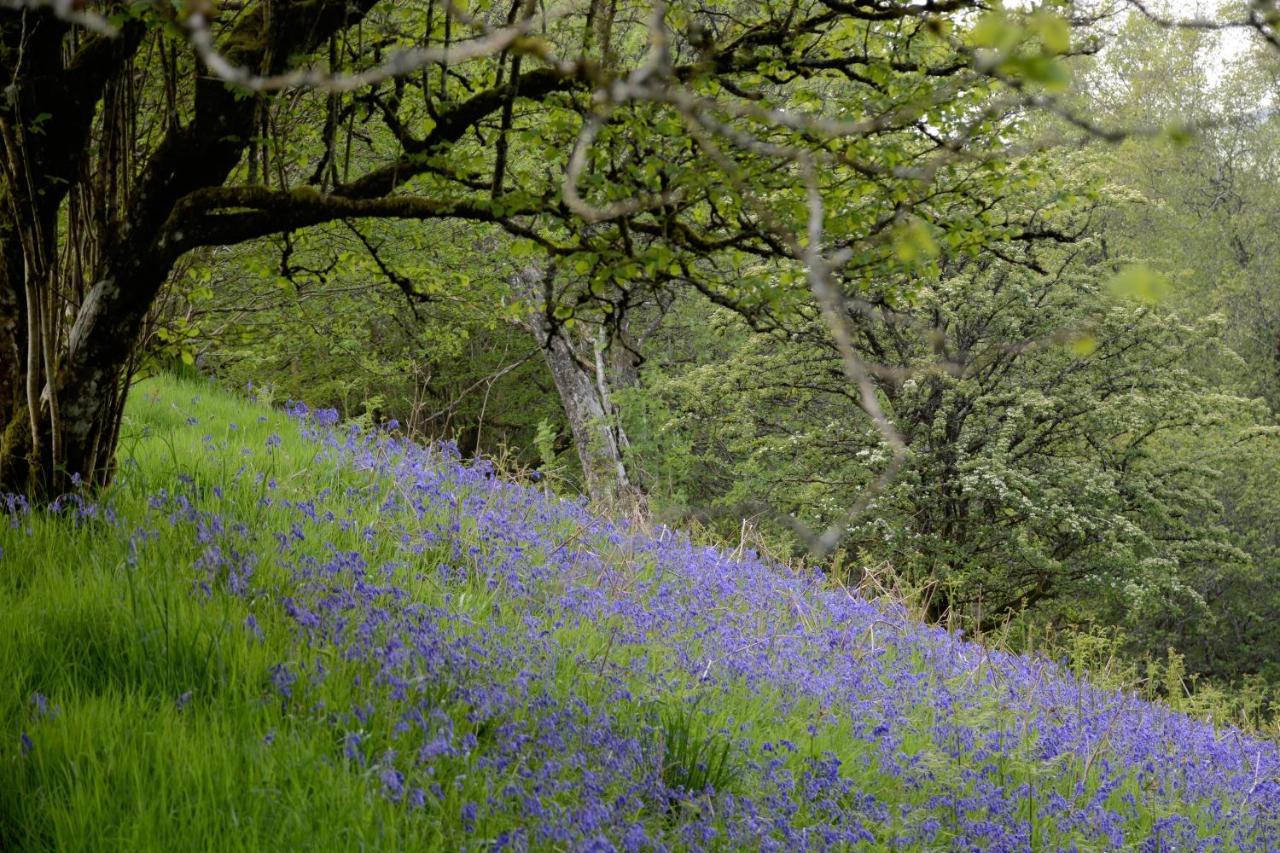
pixel 263 640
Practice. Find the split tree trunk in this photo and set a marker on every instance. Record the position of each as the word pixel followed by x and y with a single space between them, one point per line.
pixel 597 435
pixel 583 385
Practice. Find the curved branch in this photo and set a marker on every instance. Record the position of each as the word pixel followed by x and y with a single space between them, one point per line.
pixel 253 212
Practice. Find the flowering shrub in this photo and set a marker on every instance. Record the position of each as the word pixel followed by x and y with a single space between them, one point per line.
pixel 494 668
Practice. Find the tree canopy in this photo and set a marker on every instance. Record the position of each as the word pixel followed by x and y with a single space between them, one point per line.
pixel 629 147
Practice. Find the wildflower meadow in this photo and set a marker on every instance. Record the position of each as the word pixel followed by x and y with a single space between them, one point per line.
pixel 279 632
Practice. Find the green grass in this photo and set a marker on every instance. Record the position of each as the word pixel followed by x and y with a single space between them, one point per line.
pixel 124 762
pixel 166 729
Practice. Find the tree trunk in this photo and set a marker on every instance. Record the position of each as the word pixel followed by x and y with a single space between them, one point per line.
pixel 75 190
pixel 597 435
pixel 583 386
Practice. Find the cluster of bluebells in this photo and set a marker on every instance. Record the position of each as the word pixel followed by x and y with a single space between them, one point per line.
pixel 452 617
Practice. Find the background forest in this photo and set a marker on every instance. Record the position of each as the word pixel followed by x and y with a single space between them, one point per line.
pixel 1090 420
pixel 1032 389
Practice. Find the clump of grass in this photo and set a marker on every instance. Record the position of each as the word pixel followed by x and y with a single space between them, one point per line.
pixel 696 760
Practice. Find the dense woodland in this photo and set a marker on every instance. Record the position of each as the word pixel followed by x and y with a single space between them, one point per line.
pixel 977 304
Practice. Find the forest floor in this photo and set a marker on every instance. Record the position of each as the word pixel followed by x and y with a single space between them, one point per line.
pixel 278 632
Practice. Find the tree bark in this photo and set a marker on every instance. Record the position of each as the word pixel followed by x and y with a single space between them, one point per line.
pixel 597 435
pixel 65 345
pixel 583 386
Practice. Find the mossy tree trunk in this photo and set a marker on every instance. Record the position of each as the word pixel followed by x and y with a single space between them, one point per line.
pixel 89 235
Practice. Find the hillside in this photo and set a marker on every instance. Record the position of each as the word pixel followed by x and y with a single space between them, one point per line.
pixel 274 632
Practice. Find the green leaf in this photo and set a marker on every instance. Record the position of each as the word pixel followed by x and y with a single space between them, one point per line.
pixel 1138 282
pixel 1179 134
pixel 1048 71
pixel 913 243
pixel 1053 30
pixel 1084 345
pixel 995 31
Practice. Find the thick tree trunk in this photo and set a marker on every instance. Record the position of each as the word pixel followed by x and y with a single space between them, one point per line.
pixel 67 336
pixel 14 420
pixel 75 391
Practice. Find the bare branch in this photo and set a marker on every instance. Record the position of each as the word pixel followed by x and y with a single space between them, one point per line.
pixel 226 215
pixel 512 38
pixel 1261 16
pixel 66 10
pixel 828 296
